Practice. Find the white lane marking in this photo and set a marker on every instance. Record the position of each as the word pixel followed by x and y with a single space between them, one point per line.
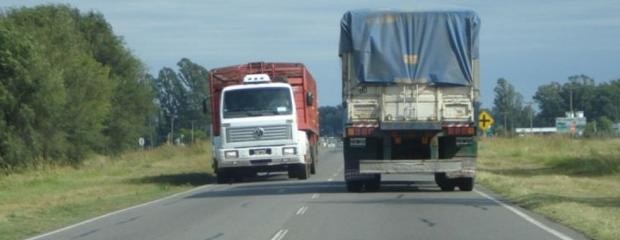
pixel 280 235
pixel 120 211
pixel 330 179
pixel 302 210
pixel 526 217
pixel 315 196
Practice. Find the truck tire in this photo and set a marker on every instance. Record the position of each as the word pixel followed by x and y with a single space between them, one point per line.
pixel 446 185
pixel 374 184
pixel 300 171
pixel 303 171
pixel 354 186
pixel 292 173
pixel 466 184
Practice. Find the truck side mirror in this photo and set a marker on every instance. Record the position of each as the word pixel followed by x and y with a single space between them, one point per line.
pixel 205 106
pixel 309 98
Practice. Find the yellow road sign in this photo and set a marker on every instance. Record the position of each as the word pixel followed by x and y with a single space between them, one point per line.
pixel 485 121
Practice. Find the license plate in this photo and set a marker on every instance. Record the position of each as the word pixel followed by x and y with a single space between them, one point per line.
pixel 260 151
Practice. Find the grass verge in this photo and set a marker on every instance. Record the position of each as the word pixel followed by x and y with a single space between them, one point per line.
pixel 36 201
pixel 575 182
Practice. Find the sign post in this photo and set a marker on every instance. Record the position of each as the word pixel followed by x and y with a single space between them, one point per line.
pixel 141 142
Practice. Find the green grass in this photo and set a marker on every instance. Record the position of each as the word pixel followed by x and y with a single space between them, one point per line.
pixel 39 200
pixel 573 181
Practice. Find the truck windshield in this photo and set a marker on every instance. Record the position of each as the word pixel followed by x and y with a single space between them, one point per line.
pixel 257 102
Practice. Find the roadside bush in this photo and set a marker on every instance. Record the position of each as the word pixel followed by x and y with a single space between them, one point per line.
pixel 68 87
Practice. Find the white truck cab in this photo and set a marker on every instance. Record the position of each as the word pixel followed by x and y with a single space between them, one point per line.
pixel 259 130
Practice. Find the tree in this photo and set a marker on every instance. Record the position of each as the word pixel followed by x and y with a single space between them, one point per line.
pixel 607 101
pixel 196 80
pixel 131 102
pixel 179 96
pixel 550 102
pixel 331 120
pixel 508 106
pixel 580 93
pixel 69 87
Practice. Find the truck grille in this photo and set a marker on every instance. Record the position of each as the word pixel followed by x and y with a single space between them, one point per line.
pixel 259 133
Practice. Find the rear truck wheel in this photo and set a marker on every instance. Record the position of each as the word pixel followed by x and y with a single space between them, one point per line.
pixel 292 173
pixel 444 183
pixel 299 171
pixel 303 171
pixel 374 184
pixel 465 184
pixel 354 186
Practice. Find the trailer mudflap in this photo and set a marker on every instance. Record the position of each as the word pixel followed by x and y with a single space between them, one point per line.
pixel 455 167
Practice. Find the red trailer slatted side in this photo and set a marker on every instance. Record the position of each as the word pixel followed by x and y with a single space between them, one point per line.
pixel 295 73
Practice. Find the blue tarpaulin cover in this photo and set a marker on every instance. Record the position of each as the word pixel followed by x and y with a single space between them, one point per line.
pixel 435 47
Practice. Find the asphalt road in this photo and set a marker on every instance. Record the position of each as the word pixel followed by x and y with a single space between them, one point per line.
pixel 274 207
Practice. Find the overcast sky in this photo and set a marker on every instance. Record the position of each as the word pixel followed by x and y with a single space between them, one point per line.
pixel 528 42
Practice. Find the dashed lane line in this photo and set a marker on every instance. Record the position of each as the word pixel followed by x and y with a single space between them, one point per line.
pixel 280 234
pixel 302 210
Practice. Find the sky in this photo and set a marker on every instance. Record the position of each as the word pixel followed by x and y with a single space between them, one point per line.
pixel 527 42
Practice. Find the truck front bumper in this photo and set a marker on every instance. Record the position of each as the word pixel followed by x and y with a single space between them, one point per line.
pixel 246 157
pixel 454 167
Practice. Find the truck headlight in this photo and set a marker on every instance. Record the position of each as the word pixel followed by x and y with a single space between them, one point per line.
pixel 231 154
pixel 289 151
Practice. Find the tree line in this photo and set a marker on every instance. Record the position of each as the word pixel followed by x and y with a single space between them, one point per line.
pixel 599 102
pixel 69 87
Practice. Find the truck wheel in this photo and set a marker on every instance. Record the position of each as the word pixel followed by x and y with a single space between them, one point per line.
pixel 374 184
pixel 444 183
pixel 466 184
pixel 300 171
pixel 292 172
pixel 447 187
pixel 303 171
pixel 354 186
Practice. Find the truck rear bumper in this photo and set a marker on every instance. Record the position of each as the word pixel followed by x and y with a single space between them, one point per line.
pixel 455 167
